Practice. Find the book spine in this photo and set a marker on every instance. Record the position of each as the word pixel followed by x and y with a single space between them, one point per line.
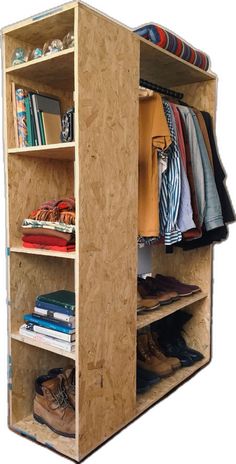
pixel 50 332
pixel 56 303
pixel 28 121
pixel 36 120
pixel 53 307
pixel 52 320
pixel 55 315
pixel 21 118
pixel 47 324
pixel 69 347
pixel 33 121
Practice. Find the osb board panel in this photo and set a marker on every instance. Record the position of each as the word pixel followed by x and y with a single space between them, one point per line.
pixel 31 276
pixel 56 70
pixel 60 151
pixel 29 362
pixel 31 182
pixel 41 433
pixel 36 33
pixel 157 392
pixel 65 97
pixel 163 68
pixel 193 267
pixel 202 95
pixel 147 317
pixel 108 141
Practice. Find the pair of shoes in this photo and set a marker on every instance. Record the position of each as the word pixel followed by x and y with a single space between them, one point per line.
pixel 166 283
pixel 54 402
pixel 170 340
pixel 162 297
pixel 145 379
pixel 150 358
pixel 146 305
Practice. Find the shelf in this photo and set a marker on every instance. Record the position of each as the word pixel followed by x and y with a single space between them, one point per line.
pixel 151 316
pixel 60 151
pixel 35 251
pixel 163 68
pixel 44 346
pixel 31 429
pixel 157 392
pixel 56 69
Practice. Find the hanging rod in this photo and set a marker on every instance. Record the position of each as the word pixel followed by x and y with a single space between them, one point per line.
pixel 163 90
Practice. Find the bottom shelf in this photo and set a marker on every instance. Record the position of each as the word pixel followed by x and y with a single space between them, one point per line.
pixel 31 429
pixel 157 392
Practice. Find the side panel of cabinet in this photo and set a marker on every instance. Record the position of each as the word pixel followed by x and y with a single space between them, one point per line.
pixel 108 78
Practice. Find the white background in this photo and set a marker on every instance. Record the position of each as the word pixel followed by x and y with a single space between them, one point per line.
pixel 197 423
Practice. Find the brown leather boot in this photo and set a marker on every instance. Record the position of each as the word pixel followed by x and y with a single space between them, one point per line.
pixel 155 350
pixel 147 360
pixel 69 379
pixel 52 407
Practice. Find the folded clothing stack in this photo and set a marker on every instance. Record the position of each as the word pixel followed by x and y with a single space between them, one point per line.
pixel 173 44
pixel 53 320
pixel 51 226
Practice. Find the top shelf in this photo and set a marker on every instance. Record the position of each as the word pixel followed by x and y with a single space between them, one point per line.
pixel 56 69
pixel 163 68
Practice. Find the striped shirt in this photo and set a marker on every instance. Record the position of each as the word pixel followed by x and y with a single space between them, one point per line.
pixel 171 187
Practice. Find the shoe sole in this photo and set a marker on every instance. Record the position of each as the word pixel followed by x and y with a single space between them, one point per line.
pixel 43 422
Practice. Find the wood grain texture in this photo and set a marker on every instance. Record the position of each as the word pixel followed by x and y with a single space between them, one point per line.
pixel 60 151
pixel 65 97
pixel 42 252
pixel 147 317
pixel 107 195
pixel 34 181
pixel 44 346
pixel 163 68
pixel 29 428
pixel 158 391
pixel 56 69
pixel 36 33
pixel 29 362
pixel 31 276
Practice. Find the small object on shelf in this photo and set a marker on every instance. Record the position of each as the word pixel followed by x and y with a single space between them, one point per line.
pixel 67 122
pixel 36 53
pixel 21 117
pixel 69 40
pixel 19 56
pixel 52 47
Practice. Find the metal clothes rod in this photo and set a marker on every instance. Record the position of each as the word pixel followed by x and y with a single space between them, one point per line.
pixel 163 90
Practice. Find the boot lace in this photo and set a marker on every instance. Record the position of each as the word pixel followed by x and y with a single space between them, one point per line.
pixel 61 397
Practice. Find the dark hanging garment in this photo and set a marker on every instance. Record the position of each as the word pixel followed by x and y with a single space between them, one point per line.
pixel 221 233
pixel 227 209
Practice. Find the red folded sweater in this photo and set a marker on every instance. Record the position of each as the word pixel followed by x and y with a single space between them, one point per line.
pixel 45 240
pixel 49 247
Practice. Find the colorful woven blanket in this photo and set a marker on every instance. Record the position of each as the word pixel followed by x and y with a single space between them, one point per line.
pixel 173 44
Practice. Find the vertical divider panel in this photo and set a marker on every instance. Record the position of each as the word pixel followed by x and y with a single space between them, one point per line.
pixel 108 60
pixel 77 217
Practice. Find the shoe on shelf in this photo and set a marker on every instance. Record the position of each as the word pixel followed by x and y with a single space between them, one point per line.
pixel 142 385
pixel 146 360
pixel 147 291
pixel 52 407
pixel 151 377
pixel 171 283
pixel 147 304
pixel 155 348
pixel 69 381
pixel 171 341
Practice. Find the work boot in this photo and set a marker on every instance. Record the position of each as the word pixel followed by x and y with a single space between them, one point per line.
pixel 52 407
pixel 148 361
pixel 69 381
pixel 155 349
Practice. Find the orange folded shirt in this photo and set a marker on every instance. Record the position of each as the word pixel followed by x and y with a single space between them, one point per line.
pixel 154 135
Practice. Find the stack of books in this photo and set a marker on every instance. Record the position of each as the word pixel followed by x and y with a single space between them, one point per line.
pixel 53 320
pixel 37 118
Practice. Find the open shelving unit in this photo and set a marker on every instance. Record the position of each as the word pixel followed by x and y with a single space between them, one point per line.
pixel 100 78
